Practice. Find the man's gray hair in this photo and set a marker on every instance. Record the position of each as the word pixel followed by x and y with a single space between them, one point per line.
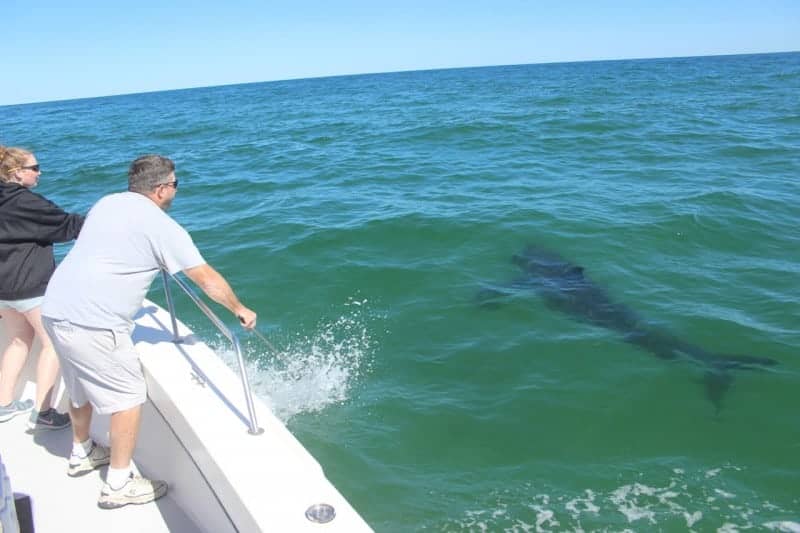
pixel 148 172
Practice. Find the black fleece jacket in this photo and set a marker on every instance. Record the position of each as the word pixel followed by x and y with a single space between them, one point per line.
pixel 29 225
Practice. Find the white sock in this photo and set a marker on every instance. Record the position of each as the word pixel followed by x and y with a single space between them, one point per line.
pixel 117 477
pixel 82 449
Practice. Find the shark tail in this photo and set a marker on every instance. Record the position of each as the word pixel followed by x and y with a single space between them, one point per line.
pixel 718 378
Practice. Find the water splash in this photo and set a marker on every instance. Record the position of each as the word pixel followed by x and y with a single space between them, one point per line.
pixel 312 371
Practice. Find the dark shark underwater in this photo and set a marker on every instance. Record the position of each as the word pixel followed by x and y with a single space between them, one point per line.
pixel 566 288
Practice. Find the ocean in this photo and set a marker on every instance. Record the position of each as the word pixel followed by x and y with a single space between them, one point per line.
pixel 363 216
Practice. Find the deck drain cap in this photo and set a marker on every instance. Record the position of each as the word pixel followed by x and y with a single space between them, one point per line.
pixel 321 513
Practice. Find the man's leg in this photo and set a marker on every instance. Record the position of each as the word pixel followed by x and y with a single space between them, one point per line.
pixel 105 370
pixel 86 456
pixel 122 487
pixel 81 421
pixel 124 430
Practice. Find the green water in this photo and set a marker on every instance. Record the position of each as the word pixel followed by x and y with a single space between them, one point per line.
pixel 361 216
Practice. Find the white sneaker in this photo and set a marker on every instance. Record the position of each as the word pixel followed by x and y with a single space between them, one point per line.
pixel 137 490
pixel 98 456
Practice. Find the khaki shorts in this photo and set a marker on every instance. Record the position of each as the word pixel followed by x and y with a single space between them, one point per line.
pixel 100 366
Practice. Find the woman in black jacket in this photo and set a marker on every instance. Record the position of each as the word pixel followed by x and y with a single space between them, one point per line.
pixel 29 225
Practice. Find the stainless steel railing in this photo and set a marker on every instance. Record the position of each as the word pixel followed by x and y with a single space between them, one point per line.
pixel 248 395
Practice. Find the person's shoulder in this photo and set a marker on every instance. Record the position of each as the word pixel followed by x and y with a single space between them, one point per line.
pixel 123 201
pixel 31 199
pixel 124 196
pixel 149 215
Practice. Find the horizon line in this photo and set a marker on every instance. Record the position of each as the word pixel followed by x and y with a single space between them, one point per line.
pixel 354 74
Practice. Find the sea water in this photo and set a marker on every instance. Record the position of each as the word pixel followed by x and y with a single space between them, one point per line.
pixel 360 216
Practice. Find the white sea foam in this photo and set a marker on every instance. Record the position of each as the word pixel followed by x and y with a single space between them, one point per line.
pixel 784 526
pixel 312 371
pixel 628 501
pixel 700 501
pixel 545 518
pixel 692 518
pixel 474 521
pixel 577 506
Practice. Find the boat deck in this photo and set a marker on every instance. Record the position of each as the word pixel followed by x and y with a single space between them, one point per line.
pixel 37 466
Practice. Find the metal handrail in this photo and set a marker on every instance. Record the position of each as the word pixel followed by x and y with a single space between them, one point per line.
pixel 248 395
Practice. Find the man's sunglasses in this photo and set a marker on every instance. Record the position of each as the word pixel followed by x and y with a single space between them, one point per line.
pixel 171 184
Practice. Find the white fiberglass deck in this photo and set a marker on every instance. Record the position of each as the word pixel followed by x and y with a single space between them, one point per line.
pixel 37 466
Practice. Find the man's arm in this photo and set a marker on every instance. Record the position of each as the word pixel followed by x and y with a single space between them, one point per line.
pixel 218 289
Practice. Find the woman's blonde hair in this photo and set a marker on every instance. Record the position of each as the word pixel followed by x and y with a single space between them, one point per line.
pixel 11 159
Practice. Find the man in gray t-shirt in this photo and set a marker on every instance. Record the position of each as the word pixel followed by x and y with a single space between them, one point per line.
pixel 88 312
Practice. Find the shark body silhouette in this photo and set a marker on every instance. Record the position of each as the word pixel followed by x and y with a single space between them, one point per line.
pixel 565 287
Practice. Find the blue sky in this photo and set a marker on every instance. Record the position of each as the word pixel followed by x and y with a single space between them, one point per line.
pixel 61 49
